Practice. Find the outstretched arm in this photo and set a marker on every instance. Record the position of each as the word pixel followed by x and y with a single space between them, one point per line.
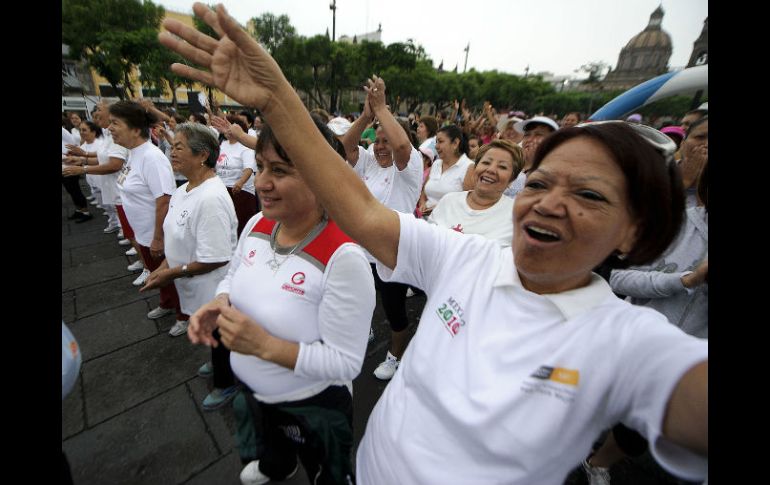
pixel 353 135
pixel 241 68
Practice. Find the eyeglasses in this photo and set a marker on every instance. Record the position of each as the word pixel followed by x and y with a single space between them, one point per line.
pixel 658 140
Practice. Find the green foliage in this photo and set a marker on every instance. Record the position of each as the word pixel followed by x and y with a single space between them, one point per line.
pixel 113 36
pixel 272 31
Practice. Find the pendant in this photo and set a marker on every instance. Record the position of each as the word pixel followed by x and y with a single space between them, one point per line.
pixel 273 264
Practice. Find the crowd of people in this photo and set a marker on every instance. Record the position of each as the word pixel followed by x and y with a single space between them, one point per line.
pixel 270 234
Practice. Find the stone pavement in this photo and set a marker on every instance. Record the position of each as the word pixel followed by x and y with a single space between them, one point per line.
pixel 134 416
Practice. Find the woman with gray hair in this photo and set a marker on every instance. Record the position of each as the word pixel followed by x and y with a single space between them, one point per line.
pixel 200 237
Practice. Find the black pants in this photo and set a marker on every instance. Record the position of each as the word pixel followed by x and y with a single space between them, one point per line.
pixel 301 428
pixel 220 360
pixel 72 186
pixel 393 296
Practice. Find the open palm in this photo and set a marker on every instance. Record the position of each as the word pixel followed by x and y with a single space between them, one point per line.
pixel 236 64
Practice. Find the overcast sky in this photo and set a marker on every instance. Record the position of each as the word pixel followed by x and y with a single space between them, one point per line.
pixel 508 35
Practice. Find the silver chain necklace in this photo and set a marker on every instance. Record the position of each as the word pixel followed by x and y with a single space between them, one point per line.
pixel 273 263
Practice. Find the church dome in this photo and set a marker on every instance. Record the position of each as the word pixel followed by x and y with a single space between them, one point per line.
pixel 649 38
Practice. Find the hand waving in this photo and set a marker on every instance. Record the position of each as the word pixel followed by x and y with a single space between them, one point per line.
pixel 236 64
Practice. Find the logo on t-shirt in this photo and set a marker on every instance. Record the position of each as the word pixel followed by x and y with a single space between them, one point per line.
pixel 451 315
pixel 248 260
pixel 182 218
pixel 556 382
pixel 458 228
pixel 297 279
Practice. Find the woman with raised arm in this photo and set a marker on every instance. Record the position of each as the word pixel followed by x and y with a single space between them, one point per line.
pixel 574 359
pixel 392 170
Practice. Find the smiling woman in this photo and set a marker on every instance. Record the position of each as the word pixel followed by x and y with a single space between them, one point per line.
pixel 496 315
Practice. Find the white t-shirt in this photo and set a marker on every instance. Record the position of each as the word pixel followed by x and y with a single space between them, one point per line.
pixel 233 159
pixel 440 183
pixel 502 385
pixel 109 182
pixel 322 297
pixel 494 223
pixel 200 226
pixel 398 190
pixel 67 139
pixel 76 135
pixel 93 180
pixel 149 177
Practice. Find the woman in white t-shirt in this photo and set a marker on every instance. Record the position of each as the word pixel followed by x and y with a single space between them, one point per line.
pixel 392 170
pixel 484 210
pixel 200 237
pixel 448 171
pixel 145 187
pixel 522 355
pixel 294 309
pixel 235 166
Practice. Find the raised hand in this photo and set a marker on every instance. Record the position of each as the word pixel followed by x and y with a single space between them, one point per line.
pixel 236 64
pixel 375 89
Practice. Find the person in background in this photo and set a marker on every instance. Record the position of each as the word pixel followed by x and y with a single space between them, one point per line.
pixel 449 170
pixel 426 131
pixel 484 210
pixel 533 317
pixel 200 237
pixel 570 119
pixel 145 192
pixel 676 133
pixel 474 143
pixel 694 151
pixel 75 120
pixel 235 166
pixel 691 117
pixel 535 130
pixel 392 170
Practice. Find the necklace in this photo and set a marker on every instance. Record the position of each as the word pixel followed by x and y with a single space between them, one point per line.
pixel 273 263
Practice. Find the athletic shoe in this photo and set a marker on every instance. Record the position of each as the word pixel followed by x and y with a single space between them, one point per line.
pixel 142 278
pixel 158 312
pixel 126 242
pixel 111 229
pixel 120 234
pixel 136 266
pixel 371 335
pixel 206 370
pixel 218 398
pixel 130 252
pixel 250 475
pixel 83 217
pixel 596 475
pixel 385 370
pixel 179 328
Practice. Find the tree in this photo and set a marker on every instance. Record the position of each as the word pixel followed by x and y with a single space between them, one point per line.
pixel 155 71
pixel 272 31
pixel 113 36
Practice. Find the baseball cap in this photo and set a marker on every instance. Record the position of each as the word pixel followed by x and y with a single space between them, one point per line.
pixel 521 126
pixel 428 152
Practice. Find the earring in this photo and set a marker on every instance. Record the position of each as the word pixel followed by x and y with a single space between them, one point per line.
pixel 621 256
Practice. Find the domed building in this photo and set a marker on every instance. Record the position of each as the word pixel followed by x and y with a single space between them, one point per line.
pixel 645 56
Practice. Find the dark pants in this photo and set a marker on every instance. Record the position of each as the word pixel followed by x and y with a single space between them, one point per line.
pixel 72 186
pixel 220 360
pixel 629 441
pixel 245 207
pixel 319 430
pixel 169 298
pixel 393 296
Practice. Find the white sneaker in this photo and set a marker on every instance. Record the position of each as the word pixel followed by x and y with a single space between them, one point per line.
pixel 124 242
pixel 95 202
pixel 111 229
pixel 179 328
pixel 250 475
pixel 120 234
pixel 385 370
pixel 132 251
pixel 409 293
pixel 596 475
pixel 158 312
pixel 136 266
pixel 142 278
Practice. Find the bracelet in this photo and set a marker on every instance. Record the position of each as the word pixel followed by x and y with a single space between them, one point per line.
pixel 85 169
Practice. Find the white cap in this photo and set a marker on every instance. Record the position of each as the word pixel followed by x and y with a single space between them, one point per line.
pixel 544 120
pixel 339 125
